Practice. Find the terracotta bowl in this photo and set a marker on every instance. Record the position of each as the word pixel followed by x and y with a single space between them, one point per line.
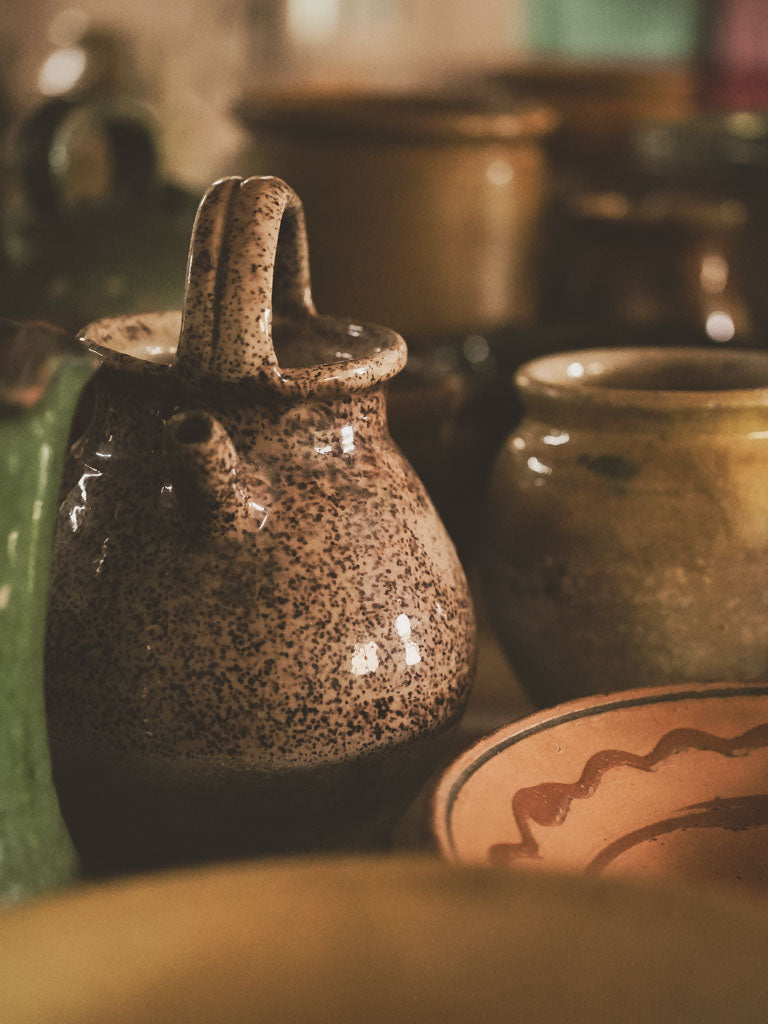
pixel 411 940
pixel 670 781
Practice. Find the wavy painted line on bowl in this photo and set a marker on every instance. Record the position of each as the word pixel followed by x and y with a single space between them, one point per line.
pixel 737 813
pixel 548 803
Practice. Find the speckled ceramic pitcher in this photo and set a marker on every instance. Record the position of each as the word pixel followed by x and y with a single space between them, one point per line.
pixel 259 631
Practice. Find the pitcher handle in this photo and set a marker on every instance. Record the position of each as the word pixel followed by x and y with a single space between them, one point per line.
pixel 248 259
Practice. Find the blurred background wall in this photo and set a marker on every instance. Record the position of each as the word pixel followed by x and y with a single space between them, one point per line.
pixel 193 58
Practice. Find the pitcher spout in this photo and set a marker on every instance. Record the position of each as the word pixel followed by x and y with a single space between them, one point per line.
pixel 205 473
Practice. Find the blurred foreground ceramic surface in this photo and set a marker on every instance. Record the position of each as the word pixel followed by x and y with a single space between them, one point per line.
pixel 41 376
pixel 628 521
pixel 667 782
pixel 259 633
pixel 383 940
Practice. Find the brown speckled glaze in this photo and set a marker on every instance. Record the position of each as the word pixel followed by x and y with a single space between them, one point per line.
pixel 259 630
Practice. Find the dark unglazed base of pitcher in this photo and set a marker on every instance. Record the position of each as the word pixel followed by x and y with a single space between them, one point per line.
pixel 132 814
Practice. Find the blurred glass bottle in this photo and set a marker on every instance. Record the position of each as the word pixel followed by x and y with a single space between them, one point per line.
pixel 734 58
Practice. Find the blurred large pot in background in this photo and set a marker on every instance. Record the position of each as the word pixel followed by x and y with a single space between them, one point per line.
pixel 677 239
pixel 599 104
pixel 424 211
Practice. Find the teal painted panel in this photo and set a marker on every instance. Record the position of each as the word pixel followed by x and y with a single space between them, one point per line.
pixel 625 29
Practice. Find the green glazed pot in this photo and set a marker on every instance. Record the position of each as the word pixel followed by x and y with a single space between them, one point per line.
pixel 40 386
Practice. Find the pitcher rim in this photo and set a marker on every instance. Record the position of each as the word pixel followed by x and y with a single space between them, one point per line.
pixel 111 340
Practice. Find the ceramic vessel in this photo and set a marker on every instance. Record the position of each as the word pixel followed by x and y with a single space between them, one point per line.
pixel 259 631
pixel 675 240
pixel 600 104
pixel 41 375
pixel 668 782
pixel 628 532
pixel 437 226
pixel 383 939
pixel 449 411
pixel 89 227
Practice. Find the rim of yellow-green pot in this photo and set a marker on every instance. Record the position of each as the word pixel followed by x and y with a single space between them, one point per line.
pixel 653 380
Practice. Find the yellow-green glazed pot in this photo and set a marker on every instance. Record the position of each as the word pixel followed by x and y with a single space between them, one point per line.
pixel 628 534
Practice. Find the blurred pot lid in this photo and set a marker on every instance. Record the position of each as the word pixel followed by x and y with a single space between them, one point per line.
pixel 424 116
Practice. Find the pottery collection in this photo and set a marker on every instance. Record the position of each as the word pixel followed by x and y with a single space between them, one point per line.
pixel 627 539
pixel 259 633
pixel 251 632
pixel 405 660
